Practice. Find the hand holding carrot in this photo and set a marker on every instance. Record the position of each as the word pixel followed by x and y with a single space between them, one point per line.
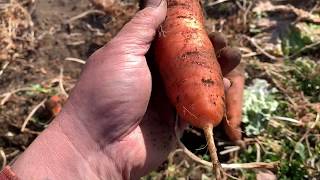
pixel 118 122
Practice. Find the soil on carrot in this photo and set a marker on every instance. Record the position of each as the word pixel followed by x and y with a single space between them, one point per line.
pixel 48 40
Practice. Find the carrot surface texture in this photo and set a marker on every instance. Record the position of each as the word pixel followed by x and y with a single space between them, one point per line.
pixel 190 70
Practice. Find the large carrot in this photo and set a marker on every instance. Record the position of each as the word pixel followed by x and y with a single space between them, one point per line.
pixel 190 70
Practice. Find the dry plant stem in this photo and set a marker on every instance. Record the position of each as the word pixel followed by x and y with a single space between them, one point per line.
pixel 294 121
pixel 84 14
pixel 208 132
pixel 233 149
pixel 310 46
pixel 34 110
pixel 258 152
pixel 301 14
pixel 254 165
pixel 4 159
pixel 62 90
pixel 26 130
pixel 6 96
pixel 217 2
pixel 75 60
pixel 305 135
pixel 252 41
pixel 5 65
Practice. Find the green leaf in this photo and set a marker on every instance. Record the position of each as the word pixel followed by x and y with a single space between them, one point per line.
pixel 294 40
pixel 306 77
pixel 206 157
pixel 39 88
pixel 300 149
pixel 260 103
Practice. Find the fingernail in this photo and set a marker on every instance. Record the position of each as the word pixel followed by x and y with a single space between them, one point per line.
pixel 227 83
pixel 152 3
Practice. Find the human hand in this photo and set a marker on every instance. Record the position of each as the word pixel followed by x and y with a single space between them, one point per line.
pixel 118 122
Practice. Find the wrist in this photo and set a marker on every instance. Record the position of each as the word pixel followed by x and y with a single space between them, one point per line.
pixel 123 154
pixel 53 156
pixel 127 152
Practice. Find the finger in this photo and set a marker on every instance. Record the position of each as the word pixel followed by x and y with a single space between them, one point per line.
pixel 229 58
pixel 181 126
pixel 227 83
pixel 234 103
pixel 218 40
pixel 136 36
pixel 146 3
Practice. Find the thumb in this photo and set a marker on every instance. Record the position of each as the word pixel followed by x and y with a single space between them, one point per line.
pixel 137 35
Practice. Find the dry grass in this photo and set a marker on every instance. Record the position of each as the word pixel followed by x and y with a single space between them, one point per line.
pixel 15 30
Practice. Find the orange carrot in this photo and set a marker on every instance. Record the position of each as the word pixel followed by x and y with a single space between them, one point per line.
pixel 234 100
pixel 54 104
pixel 190 70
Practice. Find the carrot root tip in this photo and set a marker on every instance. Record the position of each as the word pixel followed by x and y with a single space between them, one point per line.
pixel 208 132
pixel 215 164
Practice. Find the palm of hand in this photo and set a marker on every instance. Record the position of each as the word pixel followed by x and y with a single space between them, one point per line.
pixel 143 130
pixel 123 114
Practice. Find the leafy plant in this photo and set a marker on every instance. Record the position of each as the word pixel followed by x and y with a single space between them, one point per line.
pixel 294 40
pixel 292 170
pixel 306 77
pixel 259 105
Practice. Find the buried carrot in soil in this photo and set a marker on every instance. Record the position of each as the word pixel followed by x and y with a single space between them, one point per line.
pixel 190 70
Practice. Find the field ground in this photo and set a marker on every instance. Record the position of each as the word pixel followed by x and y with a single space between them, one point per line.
pixel 41 40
